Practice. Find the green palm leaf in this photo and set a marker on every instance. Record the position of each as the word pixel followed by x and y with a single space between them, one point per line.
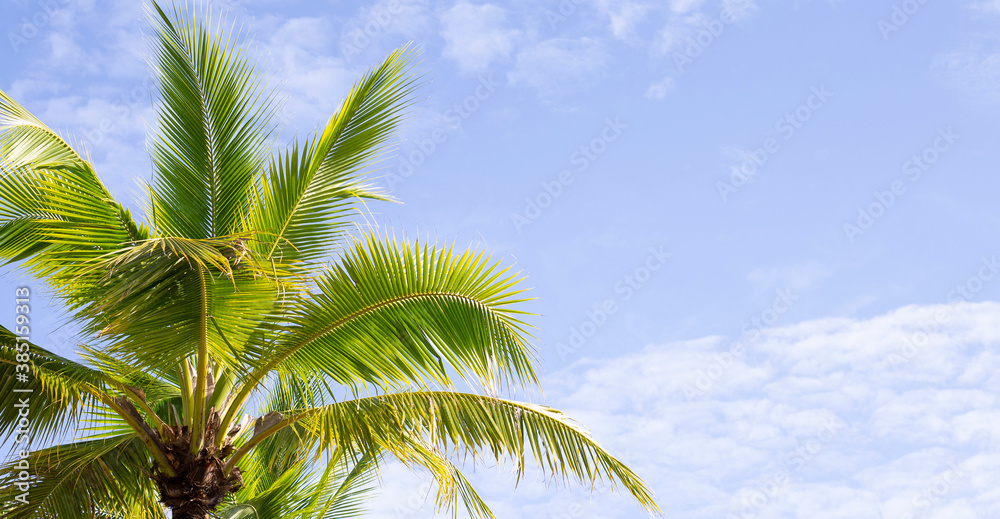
pixel 54 211
pixel 55 388
pixel 154 302
pixel 279 484
pixel 339 492
pixel 458 424
pixel 393 314
pixel 308 190
pixel 214 118
pixel 91 478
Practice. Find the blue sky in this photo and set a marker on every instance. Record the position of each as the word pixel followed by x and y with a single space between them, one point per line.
pixel 761 233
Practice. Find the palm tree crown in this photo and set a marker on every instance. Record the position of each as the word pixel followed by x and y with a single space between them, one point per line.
pixel 222 346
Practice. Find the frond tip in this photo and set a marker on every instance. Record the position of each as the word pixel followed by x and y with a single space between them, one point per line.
pixel 458 424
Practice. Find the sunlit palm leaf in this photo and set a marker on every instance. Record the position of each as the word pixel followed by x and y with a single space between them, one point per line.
pixel 340 495
pixel 485 427
pixel 309 189
pixel 295 491
pixel 394 314
pixel 83 479
pixel 56 390
pixel 147 301
pixel 54 211
pixel 215 118
pixel 452 484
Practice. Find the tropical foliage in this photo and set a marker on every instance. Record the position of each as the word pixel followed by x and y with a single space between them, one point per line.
pixel 228 367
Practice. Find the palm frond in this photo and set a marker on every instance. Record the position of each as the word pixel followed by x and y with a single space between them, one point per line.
pixel 146 301
pixel 285 449
pixel 215 118
pixel 54 211
pixel 392 315
pixel 299 492
pixel 458 424
pixel 309 189
pixel 340 495
pixel 54 386
pixel 452 484
pixel 93 478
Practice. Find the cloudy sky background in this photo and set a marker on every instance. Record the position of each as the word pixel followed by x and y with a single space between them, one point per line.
pixel 763 234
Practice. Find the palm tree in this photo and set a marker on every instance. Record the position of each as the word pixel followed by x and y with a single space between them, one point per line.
pixel 222 307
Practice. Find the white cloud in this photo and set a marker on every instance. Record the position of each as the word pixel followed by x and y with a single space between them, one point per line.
pixel 660 89
pixel 679 31
pixel 852 418
pixel 476 35
pixel 687 23
pixel 739 10
pixel 624 16
pixel 383 26
pixel 986 6
pixel 974 73
pixel 308 34
pixel 111 47
pixel 66 51
pixel 685 6
pixel 314 80
pixel 560 65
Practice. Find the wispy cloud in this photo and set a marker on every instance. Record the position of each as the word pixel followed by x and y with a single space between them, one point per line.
pixel 625 16
pixel 690 27
pixel 476 35
pixel 974 73
pixel 986 6
pixel 889 417
pixel 825 418
pixel 660 89
pixel 685 6
pixel 385 25
pixel 314 77
pixel 560 65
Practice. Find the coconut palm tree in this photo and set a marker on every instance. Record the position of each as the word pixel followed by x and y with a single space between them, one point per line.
pixel 230 366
